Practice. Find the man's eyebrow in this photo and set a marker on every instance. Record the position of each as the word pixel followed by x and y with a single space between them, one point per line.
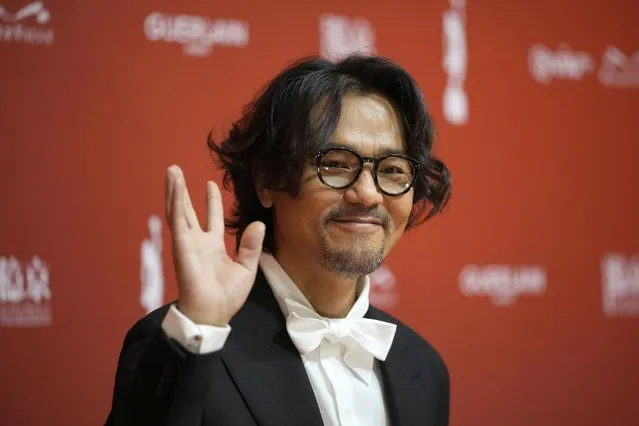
pixel 382 151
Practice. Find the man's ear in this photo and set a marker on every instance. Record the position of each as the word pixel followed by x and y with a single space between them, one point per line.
pixel 266 198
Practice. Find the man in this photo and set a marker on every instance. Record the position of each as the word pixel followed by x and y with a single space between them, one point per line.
pixel 329 165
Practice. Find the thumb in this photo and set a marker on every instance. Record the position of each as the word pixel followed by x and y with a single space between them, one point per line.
pixel 251 246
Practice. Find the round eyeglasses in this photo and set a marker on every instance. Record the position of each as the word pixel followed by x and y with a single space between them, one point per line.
pixel 340 168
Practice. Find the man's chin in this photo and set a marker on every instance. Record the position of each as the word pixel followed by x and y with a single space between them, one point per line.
pixel 352 260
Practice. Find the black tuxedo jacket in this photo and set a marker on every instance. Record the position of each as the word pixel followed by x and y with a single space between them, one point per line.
pixel 258 378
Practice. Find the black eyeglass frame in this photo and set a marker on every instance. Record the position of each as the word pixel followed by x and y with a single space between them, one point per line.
pixel 374 161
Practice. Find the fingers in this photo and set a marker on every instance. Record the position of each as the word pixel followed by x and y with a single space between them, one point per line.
pixel 189 210
pixel 215 211
pixel 179 209
pixel 169 183
pixel 176 209
pixel 251 246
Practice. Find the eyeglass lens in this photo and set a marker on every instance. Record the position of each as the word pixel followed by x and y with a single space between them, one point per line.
pixel 340 168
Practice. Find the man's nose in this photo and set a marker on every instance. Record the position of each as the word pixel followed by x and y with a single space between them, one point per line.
pixel 364 191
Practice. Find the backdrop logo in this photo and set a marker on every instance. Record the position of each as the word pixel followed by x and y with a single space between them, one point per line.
pixel 503 284
pixel 25 295
pixel 455 63
pixel 196 34
pixel 341 36
pixel 618 69
pixel 27 25
pixel 383 290
pixel 546 65
pixel 151 271
pixel 620 285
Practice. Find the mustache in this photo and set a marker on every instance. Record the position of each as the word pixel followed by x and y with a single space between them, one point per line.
pixel 340 213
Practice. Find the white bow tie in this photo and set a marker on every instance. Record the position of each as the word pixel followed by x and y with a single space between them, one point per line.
pixel 307 330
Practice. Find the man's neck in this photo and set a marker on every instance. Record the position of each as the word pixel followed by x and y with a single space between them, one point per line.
pixel 330 295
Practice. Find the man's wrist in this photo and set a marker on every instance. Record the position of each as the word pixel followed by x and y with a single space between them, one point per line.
pixel 200 317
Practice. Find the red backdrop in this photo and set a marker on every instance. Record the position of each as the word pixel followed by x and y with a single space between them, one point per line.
pixel 528 284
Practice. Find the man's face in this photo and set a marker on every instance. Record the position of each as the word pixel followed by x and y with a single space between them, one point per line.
pixel 351 230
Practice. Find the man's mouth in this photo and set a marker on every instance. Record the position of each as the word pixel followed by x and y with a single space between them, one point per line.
pixel 360 223
pixel 360 219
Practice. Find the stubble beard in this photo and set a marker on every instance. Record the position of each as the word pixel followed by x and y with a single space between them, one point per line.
pixel 360 258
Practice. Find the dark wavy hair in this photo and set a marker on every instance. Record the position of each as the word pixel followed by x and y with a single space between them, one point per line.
pixel 294 116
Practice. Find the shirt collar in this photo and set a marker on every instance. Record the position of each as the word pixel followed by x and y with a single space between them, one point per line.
pixel 284 288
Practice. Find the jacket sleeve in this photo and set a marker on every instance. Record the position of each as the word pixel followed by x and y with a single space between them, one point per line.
pixel 443 407
pixel 158 382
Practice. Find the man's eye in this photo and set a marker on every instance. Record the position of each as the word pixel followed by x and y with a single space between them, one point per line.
pixel 334 165
pixel 393 170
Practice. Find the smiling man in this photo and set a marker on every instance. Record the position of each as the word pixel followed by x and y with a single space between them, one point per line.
pixel 329 165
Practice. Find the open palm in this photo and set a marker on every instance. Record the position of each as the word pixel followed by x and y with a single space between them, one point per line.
pixel 212 286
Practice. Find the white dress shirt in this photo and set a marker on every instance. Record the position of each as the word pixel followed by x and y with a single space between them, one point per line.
pixel 345 396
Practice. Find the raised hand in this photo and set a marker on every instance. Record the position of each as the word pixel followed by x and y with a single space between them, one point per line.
pixel 212 286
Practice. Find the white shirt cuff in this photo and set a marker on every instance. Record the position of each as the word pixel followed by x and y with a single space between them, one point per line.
pixel 197 339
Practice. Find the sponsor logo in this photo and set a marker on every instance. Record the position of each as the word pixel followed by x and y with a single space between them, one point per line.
pixel 383 288
pixel 25 294
pixel 197 35
pixel 546 65
pixel 151 267
pixel 620 285
pixel 455 63
pixel 502 284
pixel 341 36
pixel 27 26
pixel 616 68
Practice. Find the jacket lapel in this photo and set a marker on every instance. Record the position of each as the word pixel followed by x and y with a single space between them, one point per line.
pixel 404 390
pixel 265 365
